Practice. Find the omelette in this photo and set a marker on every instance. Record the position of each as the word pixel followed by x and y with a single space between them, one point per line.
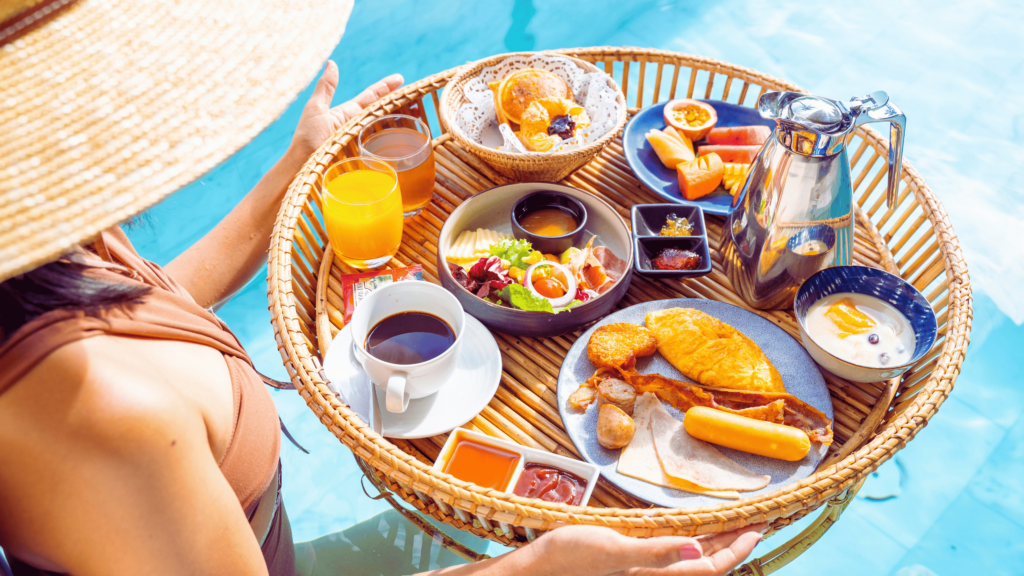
pixel 711 352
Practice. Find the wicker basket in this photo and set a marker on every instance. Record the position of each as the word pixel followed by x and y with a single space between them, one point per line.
pixel 535 166
pixel 872 421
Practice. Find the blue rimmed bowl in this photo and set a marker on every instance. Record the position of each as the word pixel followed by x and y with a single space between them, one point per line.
pixel 890 288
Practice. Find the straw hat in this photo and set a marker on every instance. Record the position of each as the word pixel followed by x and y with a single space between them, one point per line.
pixel 108 106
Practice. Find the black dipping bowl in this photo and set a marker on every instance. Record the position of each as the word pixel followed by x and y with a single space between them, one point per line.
pixel 489 209
pixel 548 199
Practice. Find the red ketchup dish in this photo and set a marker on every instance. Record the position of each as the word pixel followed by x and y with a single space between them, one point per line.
pixel 550 484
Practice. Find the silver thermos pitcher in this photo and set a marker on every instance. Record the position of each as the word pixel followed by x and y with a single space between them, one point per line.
pixel 795 214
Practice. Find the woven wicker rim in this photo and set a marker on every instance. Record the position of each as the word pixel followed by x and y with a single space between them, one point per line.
pixel 827 482
pixel 115 104
pixel 454 97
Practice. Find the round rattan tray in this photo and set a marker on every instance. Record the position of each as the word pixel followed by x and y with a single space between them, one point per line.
pixel 872 421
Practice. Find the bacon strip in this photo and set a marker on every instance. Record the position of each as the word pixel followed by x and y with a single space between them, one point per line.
pixel 767 406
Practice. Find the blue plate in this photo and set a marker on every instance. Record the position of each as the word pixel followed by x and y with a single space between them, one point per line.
pixel 663 181
pixel 799 374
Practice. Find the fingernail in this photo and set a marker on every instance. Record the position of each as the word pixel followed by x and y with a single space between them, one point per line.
pixel 689 552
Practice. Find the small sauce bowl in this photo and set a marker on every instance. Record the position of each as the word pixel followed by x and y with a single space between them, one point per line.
pixel 546 199
pixel 873 282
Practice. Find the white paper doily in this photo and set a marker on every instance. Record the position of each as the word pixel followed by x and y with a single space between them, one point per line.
pixel 476 117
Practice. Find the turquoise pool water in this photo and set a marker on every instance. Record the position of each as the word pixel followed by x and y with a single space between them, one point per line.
pixel 952 502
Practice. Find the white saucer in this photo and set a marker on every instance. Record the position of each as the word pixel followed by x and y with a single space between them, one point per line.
pixel 471 387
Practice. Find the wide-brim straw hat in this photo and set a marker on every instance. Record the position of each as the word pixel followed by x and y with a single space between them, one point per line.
pixel 108 106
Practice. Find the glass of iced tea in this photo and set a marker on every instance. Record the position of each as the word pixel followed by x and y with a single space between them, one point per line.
pixel 362 205
pixel 403 142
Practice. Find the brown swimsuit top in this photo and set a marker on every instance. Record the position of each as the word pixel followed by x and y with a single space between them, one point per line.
pixel 167 313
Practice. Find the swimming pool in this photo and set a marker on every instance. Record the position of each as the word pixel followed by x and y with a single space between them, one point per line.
pixel 950 503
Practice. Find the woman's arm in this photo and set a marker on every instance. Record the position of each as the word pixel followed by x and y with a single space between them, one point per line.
pixel 221 263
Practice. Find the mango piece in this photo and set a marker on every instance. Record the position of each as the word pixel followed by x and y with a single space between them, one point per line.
pixel 670 150
pixel 701 176
pixel 845 315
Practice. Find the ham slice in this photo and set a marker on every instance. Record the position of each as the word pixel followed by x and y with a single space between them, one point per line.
pixel 684 457
pixel 640 460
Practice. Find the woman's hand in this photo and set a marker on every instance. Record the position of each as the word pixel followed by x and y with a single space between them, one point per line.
pixel 602 551
pixel 319 121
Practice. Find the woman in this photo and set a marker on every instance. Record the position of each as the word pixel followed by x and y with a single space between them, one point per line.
pixel 154 448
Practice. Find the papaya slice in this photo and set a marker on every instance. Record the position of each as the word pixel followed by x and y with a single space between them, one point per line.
pixel 701 176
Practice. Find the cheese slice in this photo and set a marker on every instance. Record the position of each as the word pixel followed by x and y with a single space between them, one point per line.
pixel 472 245
pixel 640 459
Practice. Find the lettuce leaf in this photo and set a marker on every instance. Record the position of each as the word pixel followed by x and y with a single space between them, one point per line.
pixel 514 251
pixel 520 297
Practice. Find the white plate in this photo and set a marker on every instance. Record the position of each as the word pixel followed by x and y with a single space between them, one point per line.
pixel 471 387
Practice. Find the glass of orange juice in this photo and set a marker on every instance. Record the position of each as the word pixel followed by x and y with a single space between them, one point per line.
pixel 362 204
pixel 403 142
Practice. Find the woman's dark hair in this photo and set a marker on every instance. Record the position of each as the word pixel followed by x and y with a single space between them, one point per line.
pixel 61 284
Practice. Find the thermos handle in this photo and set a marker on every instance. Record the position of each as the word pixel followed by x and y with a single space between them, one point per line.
pixel 887 112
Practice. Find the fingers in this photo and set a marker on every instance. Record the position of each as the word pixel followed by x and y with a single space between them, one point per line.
pixel 716 542
pixel 325 87
pixel 731 557
pixel 654 552
pixel 373 93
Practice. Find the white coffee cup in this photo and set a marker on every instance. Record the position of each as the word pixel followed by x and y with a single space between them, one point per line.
pixel 403 382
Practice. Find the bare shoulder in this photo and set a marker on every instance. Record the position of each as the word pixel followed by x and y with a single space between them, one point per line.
pixel 94 389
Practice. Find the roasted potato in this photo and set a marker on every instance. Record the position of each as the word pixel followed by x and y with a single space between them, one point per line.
pixel 582 398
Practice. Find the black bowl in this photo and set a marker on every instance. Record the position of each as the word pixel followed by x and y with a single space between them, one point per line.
pixel 549 199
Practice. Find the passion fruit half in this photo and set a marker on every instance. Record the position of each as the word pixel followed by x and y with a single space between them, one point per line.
pixel 691 117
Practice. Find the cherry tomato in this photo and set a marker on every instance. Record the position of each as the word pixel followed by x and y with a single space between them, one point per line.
pixel 549 288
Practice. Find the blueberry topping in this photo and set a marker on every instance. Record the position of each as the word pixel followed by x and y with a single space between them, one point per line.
pixel 562 126
pixel 883 358
pixel 873 338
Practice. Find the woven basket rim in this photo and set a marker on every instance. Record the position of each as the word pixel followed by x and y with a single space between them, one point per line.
pixel 449 107
pixel 804 494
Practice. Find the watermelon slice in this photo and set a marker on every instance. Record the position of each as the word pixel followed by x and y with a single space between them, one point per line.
pixel 731 154
pixel 739 135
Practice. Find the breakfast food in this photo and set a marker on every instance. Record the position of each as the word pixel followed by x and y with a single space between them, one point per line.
pixel 538 105
pixel 471 245
pixel 670 150
pixel 861 329
pixel 550 222
pixel 729 153
pixel 747 434
pixel 550 484
pixel 767 406
pixel 511 273
pixel 685 457
pixel 514 94
pixel 676 226
pixel 614 427
pixel 711 352
pixel 701 176
pixel 482 464
pixel 739 135
pixel 639 459
pixel 582 397
pixel 735 176
pixel 676 259
pixel 617 393
pixel 619 345
pixel 693 118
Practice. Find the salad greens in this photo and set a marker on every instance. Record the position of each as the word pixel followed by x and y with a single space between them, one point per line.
pixel 513 251
pixel 519 296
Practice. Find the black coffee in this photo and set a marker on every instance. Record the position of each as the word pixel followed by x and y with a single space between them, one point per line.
pixel 409 338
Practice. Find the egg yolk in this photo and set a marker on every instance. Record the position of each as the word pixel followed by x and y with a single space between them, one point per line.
pixel 549 288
